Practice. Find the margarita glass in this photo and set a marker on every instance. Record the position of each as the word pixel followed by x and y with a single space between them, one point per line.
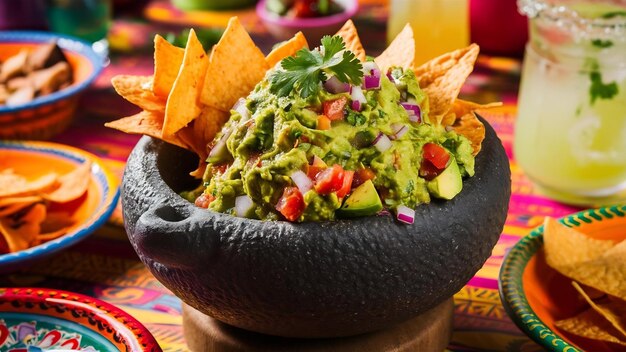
pixel 570 136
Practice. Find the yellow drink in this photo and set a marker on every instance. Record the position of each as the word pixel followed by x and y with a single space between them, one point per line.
pixel 439 25
pixel 570 136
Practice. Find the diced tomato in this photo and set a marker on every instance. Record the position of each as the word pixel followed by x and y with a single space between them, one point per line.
pixel 335 109
pixel 362 175
pixel 323 122
pixel 346 184
pixel 428 171
pixel 329 180
pixel 304 8
pixel 204 200
pixel 436 154
pixel 219 169
pixel 291 203
pixel 316 166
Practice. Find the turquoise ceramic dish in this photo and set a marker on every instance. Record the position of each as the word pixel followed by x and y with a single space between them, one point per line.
pixel 38 319
pixel 36 158
pixel 535 296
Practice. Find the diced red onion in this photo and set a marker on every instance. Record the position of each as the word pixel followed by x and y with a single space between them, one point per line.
pixel 399 129
pixel 334 85
pixel 240 107
pixel 390 77
pixel 356 105
pixel 218 148
pixel 382 142
pixel 302 181
pixel 405 214
pixel 357 95
pixel 414 111
pixel 371 75
pixel 243 204
pixel 371 82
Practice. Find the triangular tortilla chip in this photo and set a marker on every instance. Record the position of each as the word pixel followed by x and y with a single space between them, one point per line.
pixel 167 61
pixel 138 90
pixel 286 49
pixel 20 233
pixel 12 205
pixel 591 325
pixel 442 78
pixel 600 264
pixel 72 185
pixel 611 309
pixel 12 185
pixel 464 107
pixel 237 65
pixel 470 127
pixel 145 123
pixel 203 129
pixel 351 39
pixel 401 51
pixel 183 102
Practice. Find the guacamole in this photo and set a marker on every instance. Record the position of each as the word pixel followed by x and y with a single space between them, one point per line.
pixel 344 150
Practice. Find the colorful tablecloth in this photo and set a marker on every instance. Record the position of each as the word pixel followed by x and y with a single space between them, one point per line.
pixel 106 267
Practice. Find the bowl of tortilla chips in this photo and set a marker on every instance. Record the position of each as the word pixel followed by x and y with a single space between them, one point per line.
pixel 51 197
pixel 308 279
pixel 564 284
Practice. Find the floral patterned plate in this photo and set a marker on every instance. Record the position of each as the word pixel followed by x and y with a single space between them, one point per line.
pixel 39 320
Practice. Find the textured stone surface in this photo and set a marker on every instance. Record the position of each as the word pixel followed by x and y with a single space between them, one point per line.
pixel 312 279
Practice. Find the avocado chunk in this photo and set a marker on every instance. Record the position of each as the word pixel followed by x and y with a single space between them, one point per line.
pixel 363 201
pixel 448 183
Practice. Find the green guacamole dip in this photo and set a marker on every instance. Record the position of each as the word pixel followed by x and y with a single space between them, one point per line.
pixel 258 151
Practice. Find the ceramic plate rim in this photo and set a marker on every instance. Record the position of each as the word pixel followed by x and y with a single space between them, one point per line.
pixel 81 301
pixel 511 287
pixel 106 204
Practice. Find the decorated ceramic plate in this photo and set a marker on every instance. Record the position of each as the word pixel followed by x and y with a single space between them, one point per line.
pixel 536 296
pixel 38 319
pixel 69 221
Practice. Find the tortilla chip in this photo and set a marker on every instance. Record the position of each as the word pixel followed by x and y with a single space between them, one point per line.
pixel 167 61
pixel 470 127
pixel 351 39
pixel 591 325
pixel 183 103
pixel 600 264
pixel 21 232
pixel 137 90
pixel 237 65
pixel 203 129
pixel 612 310
pixel 442 78
pixel 286 49
pixel 145 123
pixel 12 205
pixel 56 220
pixel 72 185
pixel 401 52
pixel 463 107
pixel 12 185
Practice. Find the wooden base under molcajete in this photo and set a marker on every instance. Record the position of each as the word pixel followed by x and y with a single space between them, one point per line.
pixel 430 331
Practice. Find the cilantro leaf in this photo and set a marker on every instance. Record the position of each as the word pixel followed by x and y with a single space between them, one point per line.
pixel 305 71
pixel 599 43
pixel 600 90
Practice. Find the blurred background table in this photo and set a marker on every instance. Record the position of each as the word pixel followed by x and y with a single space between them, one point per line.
pixel 106 267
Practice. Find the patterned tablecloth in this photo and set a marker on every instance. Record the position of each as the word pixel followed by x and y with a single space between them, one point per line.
pixel 106 267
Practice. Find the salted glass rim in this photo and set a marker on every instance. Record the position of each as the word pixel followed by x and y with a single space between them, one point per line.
pixel 561 14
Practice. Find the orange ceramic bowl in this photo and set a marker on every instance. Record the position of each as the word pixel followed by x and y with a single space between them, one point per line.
pixel 535 295
pixel 48 115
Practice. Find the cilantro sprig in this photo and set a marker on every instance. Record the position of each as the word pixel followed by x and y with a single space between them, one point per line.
pixel 308 68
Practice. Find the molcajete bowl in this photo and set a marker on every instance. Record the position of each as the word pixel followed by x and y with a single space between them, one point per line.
pixel 310 279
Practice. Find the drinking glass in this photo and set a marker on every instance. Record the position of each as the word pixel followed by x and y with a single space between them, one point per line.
pixel 85 19
pixel 440 26
pixel 570 133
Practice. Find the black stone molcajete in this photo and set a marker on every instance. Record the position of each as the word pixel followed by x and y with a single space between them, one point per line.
pixel 312 279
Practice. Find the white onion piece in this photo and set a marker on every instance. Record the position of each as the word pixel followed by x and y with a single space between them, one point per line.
pixel 357 95
pixel 382 143
pixel 399 129
pixel 302 181
pixel 240 107
pixel 218 148
pixel 243 204
pixel 405 214
pixel 334 85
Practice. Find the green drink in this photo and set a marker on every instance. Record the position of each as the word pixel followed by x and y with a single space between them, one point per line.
pixel 86 19
pixel 570 134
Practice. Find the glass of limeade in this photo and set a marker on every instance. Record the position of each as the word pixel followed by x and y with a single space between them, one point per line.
pixel 439 26
pixel 570 133
pixel 85 19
